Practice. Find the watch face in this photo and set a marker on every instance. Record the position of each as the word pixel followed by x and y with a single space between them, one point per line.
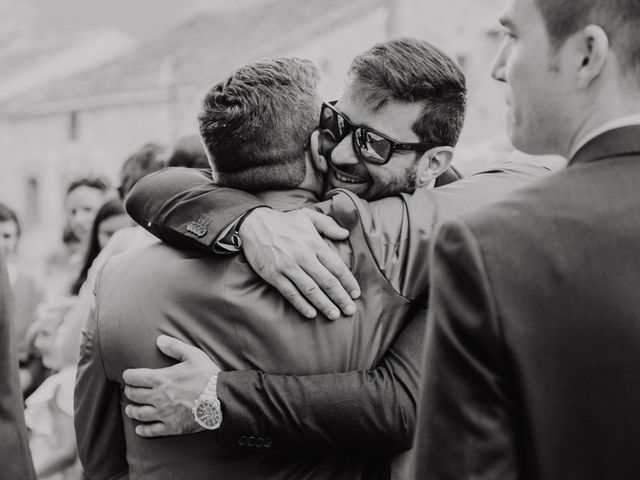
pixel 208 414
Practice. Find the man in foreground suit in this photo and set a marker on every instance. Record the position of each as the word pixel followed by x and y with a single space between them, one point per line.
pixel 533 345
pixel 15 458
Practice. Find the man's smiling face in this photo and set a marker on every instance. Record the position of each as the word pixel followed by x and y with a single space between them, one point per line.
pixel 395 120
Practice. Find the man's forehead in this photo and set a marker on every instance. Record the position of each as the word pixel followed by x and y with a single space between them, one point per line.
pixel 394 119
pixel 8 231
pixel 516 12
pixel 4 224
pixel 354 106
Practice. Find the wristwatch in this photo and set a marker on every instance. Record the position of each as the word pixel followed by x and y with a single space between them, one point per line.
pixel 207 410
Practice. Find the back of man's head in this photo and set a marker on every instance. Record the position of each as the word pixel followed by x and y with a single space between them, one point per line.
pixel 411 70
pixel 148 159
pixel 620 19
pixel 256 124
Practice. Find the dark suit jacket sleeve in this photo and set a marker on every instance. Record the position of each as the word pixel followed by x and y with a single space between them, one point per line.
pixel 465 419
pixel 167 202
pixel 98 420
pixel 356 410
pixel 15 459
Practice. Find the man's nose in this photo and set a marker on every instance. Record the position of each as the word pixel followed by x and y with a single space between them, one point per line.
pixel 498 66
pixel 343 154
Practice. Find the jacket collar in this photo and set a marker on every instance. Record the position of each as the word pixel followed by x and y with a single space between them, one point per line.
pixel 612 143
pixel 290 199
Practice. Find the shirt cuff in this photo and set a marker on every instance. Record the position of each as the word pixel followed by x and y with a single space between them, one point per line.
pixel 224 243
pixel 229 241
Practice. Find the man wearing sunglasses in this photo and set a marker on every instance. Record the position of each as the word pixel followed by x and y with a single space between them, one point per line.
pixel 370 146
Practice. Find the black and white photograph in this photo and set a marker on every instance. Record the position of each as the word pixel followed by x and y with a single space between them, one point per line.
pixel 320 240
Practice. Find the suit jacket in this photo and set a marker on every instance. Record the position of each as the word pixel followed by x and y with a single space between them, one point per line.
pixel 220 305
pixel 373 409
pixel 532 367
pixel 15 459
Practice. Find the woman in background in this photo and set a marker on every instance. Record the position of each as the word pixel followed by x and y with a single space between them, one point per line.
pixel 110 218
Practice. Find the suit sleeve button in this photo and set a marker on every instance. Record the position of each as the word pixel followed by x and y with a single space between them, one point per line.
pixel 260 442
pixel 267 442
pixel 242 440
pixel 252 441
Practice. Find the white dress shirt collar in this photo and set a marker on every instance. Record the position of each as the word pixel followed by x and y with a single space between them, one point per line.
pixel 612 125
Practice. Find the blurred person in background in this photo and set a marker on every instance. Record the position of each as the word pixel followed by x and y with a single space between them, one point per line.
pixel 15 459
pixel 148 159
pixel 110 218
pixel 82 201
pixel 27 294
pixel 49 412
pixel 83 198
pixel 49 409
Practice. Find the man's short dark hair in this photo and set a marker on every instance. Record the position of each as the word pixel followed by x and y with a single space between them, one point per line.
pixel 256 124
pixel 7 214
pixel 188 152
pixel 620 19
pixel 411 70
pixel 148 159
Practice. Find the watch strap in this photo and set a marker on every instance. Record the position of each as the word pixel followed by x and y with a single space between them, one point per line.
pixel 211 389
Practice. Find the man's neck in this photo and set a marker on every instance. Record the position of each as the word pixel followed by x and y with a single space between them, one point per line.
pixel 288 199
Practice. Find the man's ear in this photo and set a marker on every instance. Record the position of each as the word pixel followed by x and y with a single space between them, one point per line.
pixel 592 46
pixel 432 164
pixel 318 160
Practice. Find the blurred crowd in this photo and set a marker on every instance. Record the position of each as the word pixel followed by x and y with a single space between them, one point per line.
pixel 49 311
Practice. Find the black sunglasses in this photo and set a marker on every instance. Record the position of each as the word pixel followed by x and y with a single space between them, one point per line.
pixel 368 145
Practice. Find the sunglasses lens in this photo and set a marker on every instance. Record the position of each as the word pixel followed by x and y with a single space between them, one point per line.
pixel 372 147
pixel 332 124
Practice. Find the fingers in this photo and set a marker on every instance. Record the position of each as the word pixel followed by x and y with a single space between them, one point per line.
pixel 175 348
pixel 311 289
pixel 288 290
pixel 326 225
pixel 142 413
pixel 141 377
pixel 338 279
pixel 143 396
pixel 152 430
pixel 307 283
pixel 287 251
